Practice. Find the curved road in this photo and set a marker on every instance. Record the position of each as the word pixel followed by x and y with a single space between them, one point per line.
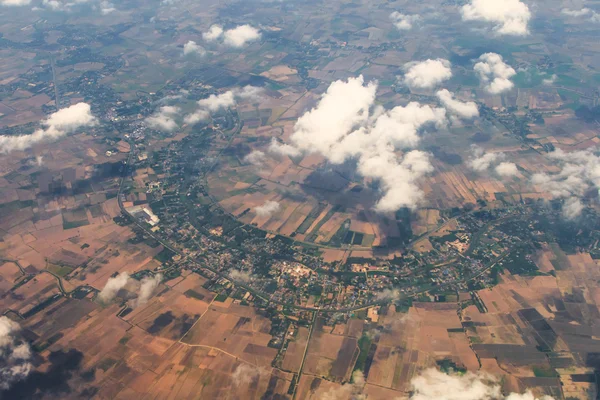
pixel 266 296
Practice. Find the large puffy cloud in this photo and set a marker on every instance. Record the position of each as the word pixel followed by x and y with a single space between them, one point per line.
pixel 346 125
pixel 14 3
pixel 192 48
pixel 404 22
pixel 15 354
pixel 345 104
pixel 267 209
pixel 462 109
pixel 57 125
pixel 71 118
pixel 509 17
pixel 579 172
pixel 241 35
pixel 147 286
pixel 216 102
pixel 164 119
pixel 427 74
pixel 435 385
pixel 494 73
pixel 235 37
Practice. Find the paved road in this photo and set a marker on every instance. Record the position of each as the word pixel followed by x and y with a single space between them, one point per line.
pixel 56 96
pixel 312 329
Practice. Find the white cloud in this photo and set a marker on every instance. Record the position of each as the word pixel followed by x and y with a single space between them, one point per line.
pixel 241 35
pixel 246 374
pixel 579 172
pixel 147 286
pixel 172 97
pixel 240 276
pixel 572 208
pixel 112 287
pixel 256 157
pixel 216 102
pixel 494 73
pixel 57 125
pixel 427 74
pixel 467 110
pixel 14 3
pixel 387 295
pixel 192 48
pixel 249 92
pixel 482 162
pixel 509 17
pixel 164 119
pixel 404 22
pixel 266 210
pixel 283 149
pixel 398 180
pixel 576 13
pixel 213 33
pixel 236 37
pixel 107 7
pixel 346 125
pixel 71 118
pixel 584 12
pixel 550 80
pixel 353 391
pixel 506 169
pixel 197 116
pixel 345 105
pixel 432 384
pixel 15 354
pixel 54 5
